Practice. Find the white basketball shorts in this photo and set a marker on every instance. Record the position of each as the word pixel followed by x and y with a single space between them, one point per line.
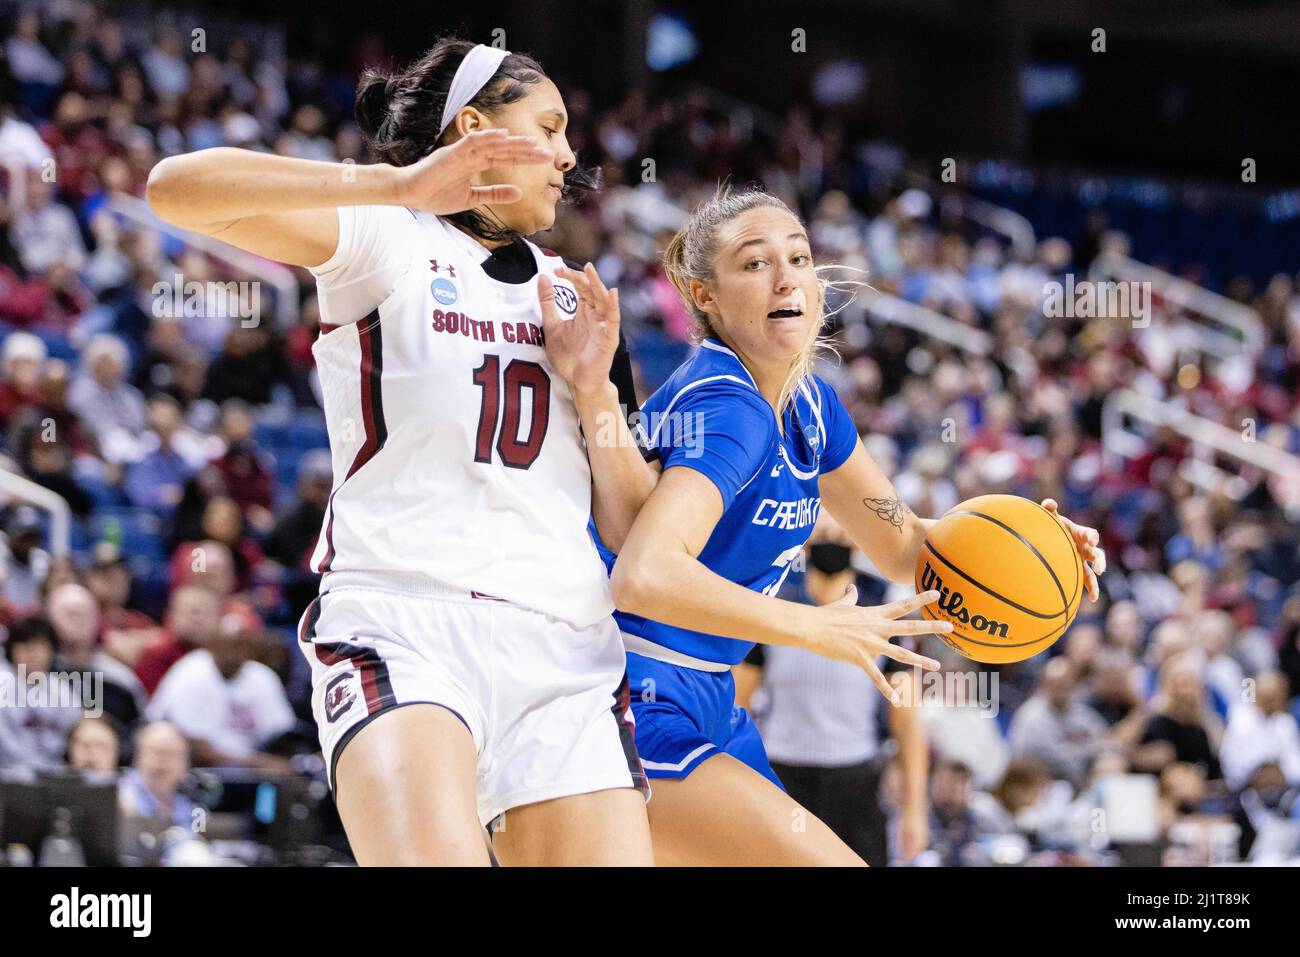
pixel 546 703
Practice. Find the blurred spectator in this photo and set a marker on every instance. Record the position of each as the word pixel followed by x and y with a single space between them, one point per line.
pixel 1112 693
pixel 1056 728
pixel 150 789
pixel 27 564
pixel 293 539
pixel 93 745
pixel 251 364
pixel 109 580
pixel 164 64
pixel 959 814
pixel 56 380
pixel 1182 727
pixel 43 451
pixel 21 367
pixel 45 232
pixel 222 523
pixel 962 727
pixel 74 616
pixel 294 536
pixel 247 471
pixel 112 408
pixel 34 731
pixel 193 620
pixel 1262 732
pixel 231 708
pixel 157 480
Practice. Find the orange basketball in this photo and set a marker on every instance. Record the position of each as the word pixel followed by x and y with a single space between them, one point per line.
pixel 1008 575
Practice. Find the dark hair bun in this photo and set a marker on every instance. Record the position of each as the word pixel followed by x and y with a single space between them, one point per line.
pixel 373 92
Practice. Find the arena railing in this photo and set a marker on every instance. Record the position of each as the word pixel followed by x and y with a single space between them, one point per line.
pixel 279 277
pixel 1208 438
pixel 873 304
pixel 1232 330
pixel 24 489
pixel 1015 228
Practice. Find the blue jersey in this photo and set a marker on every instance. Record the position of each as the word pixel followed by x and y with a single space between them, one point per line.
pixel 709 416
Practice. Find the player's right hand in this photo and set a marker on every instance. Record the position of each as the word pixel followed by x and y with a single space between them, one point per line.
pixel 441 184
pixel 846 632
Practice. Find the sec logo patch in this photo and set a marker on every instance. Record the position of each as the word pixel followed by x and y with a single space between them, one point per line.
pixel 566 299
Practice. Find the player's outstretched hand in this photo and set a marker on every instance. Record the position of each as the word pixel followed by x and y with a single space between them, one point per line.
pixel 581 349
pixel 859 635
pixel 440 183
pixel 1085 542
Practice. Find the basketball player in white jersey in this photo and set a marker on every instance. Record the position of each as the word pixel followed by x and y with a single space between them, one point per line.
pixel 463 656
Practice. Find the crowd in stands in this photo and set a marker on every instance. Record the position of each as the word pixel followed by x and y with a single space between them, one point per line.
pixel 190 447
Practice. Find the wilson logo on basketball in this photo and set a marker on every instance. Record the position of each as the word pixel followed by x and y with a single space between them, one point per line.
pixel 1015 564
pixel 952 603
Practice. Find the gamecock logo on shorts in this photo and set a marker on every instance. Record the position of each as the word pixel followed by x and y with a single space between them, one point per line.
pixel 339 696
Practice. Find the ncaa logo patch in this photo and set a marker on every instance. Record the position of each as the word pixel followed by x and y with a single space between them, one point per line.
pixel 566 299
pixel 444 291
pixel 339 695
pixel 813 437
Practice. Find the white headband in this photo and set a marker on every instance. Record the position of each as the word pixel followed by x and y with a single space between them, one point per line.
pixel 475 70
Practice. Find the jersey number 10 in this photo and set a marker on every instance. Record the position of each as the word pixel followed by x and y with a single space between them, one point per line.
pixel 514 452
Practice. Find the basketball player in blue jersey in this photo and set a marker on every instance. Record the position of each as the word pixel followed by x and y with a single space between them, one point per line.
pixel 465 664
pixel 751 444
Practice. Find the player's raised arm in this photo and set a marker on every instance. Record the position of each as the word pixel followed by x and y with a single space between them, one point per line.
pixel 658 575
pixel 283 208
pixel 863 500
pixel 582 349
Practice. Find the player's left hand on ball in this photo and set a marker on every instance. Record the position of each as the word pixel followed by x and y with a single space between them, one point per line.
pixel 581 349
pixel 1085 541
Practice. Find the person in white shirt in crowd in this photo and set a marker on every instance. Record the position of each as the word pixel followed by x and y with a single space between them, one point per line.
pixel 109 406
pixel 228 706
pixel 45 232
pixel 819 719
pixel 965 730
pixel 21 147
pixel 164 64
pixel 37 714
pixel 1056 728
pixel 150 788
pixel 29 60
pixel 1261 732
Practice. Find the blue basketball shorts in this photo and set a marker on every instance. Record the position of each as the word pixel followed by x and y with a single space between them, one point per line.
pixel 683 716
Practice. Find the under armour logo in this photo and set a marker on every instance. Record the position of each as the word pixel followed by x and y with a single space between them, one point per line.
pixel 451 270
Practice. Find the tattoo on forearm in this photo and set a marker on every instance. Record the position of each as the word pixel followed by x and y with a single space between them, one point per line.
pixel 892 510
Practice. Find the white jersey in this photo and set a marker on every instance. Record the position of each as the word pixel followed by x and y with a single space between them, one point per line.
pixel 456 450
